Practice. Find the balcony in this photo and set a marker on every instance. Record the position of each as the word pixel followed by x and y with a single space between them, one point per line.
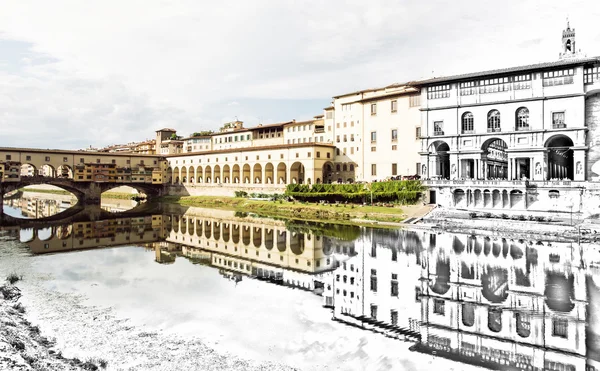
pixel 468 131
pixel 494 130
pixel 559 125
pixel 438 132
pixel 522 128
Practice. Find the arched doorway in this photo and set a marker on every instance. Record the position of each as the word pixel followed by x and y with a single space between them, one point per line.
pixel 217 174
pixel 495 159
pixel 269 173
pixel 439 161
pixel 235 174
pixel 226 174
pixel 281 173
pixel 169 175
pixel 257 174
pixel 297 173
pixel 560 157
pixel 207 174
pixel 246 174
pixel 327 172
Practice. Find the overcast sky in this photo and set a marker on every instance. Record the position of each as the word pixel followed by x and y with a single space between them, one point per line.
pixel 79 73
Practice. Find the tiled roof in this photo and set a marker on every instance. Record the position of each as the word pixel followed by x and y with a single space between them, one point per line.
pixel 167 129
pixel 502 71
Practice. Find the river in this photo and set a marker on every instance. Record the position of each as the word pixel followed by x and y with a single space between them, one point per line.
pixel 189 288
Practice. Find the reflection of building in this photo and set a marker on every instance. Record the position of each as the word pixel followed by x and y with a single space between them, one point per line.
pixel 375 288
pixel 505 303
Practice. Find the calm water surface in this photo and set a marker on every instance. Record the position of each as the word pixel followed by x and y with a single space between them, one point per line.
pixel 311 296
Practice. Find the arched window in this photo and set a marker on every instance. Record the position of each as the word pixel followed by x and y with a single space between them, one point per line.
pixel 493 121
pixel 522 119
pixel 467 122
pixel 337 167
pixel 345 167
pixel 351 167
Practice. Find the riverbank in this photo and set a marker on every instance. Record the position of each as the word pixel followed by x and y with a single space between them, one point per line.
pixel 334 213
pixel 22 347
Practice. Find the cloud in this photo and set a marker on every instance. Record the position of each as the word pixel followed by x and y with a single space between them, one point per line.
pixel 116 69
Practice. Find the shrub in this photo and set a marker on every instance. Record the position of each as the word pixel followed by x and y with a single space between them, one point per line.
pixel 13 278
pixel 241 194
pixel 504 216
pixel 472 215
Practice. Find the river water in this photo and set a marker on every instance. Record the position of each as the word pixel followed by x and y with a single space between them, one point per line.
pixel 189 288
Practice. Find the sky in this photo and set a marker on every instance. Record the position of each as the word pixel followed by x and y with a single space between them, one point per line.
pixel 75 74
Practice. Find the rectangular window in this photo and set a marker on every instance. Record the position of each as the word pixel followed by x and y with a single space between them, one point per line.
pixel 394 291
pixel 47 158
pixel 345 138
pixel 328 155
pixel 345 124
pixel 394 147
pixel 318 154
pixel 328 115
pixel 373 283
pixel 418 133
pixel 414 100
pixel 351 150
pixel 373 109
pixel 65 159
pixel 346 107
pixel 438 92
pixel 373 149
pixel 418 172
pixel 591 75
pixel 373 136
pixel 468 88
pixel 337 138
pixel 9 157
pixel 27 158
pixel 560 328
pixel 373 311
pixel 439 307
pixel 394 317
pixel 374 169
pixel 521 82
pixel 438 128
pixel 496 85
pixel 558 120
pixel 394 169
pixel 394 106
pixel 394 135
pixel 352 137
pixel 555 78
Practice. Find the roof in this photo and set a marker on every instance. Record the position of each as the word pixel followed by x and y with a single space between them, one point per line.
pixel 252 149
pixel 502 71
pixel 258 127
pixel 167 129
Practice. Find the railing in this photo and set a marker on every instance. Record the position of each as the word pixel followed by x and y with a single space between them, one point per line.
pixel 494 130
pixel 522 128
pixel 438 132
pixel 560 125
pixel 502 183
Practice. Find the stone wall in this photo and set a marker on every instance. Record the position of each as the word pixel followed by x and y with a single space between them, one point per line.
pixel 592 121
pixel 222 189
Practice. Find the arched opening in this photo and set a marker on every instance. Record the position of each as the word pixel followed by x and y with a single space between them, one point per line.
pixel 439 161
pixel 199 228
pixel 257 236
pixel 560 157
pixel 269 239
pixel 199 174
pixel 121 198
pixel 327 172
pixel 176 175
pixel 191 175
pixel 226 232
pixel 297 243
pixel 495 159
pixel 65 172
pixel 297 173
pixel 493 121
pixel 517 199
pixel 495 284
pixel 246 235
pixel 269 173
pixel 281 240
pixel 246 176
pixel 183 225
pixel 47 170
pixel 169 175
pixel 523 324
pixel 560 291
pixel 217 174
pixel 441 283
pixel 460 198
pixel 207 174
pixel 235 234
pixel 226 174
pixel 235 174
pixel 495 319
pixel 184 175
pixel 281 173
pixel 207 229
pixel 216 231
pixel 468 314
pixel 28 170
pixel 257 174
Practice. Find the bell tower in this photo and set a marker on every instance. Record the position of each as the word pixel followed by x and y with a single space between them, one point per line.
pixel 568 43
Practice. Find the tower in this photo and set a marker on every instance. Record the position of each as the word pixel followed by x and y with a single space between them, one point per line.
pixel 568 43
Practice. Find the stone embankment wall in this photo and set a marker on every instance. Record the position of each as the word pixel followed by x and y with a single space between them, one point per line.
pixel 221 189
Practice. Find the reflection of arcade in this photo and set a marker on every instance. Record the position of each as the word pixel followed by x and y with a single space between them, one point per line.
pixel 504 303
pixel 91 234
pixel 242 247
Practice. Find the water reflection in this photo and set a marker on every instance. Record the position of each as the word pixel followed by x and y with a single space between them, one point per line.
pixel 489 301
pixel 30 206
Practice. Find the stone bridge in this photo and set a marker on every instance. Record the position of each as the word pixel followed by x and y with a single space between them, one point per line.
pixel 86 192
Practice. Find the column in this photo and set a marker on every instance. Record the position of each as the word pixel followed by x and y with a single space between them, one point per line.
pixel 531 168
pixel 477 170
pixel 510 168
